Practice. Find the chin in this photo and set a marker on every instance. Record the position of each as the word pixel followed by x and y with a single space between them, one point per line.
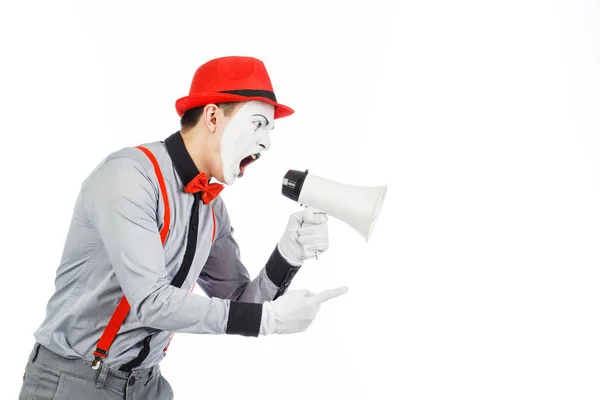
pixel 229 178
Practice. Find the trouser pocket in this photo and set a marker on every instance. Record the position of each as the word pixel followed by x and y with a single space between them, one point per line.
pixel 39 383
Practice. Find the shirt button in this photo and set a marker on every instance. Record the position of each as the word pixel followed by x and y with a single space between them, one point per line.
pixel 292 273
pixel 194 226
pixel 286 284
pixel 132 381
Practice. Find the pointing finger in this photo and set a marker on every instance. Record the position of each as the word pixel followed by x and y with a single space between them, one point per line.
pixel 328 294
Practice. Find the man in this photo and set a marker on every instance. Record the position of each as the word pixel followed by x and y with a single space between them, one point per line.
pixel 147 226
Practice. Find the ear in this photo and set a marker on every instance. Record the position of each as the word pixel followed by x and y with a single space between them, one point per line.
pixel 210 117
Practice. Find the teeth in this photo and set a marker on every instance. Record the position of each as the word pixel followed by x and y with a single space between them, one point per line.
pixel 254 156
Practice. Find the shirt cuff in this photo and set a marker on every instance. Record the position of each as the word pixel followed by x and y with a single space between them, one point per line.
pixel 244 318
pixel 279 271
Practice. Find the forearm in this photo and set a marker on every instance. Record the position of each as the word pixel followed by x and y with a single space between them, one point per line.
pixel 169 308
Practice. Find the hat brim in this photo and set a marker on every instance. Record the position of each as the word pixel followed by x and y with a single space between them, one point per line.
pixel 189 102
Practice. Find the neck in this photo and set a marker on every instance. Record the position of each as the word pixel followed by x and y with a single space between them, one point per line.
pixel 197 145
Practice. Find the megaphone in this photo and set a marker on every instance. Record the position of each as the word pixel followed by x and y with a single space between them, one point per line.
pixel 357 206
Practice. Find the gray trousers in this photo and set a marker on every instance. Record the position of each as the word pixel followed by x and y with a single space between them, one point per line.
pixel 49 376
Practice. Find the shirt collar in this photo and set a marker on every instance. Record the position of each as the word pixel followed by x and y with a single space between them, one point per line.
pixel 184 165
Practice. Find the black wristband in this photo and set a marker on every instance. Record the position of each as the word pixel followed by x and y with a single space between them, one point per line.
pixel 244 318
pixel 279 270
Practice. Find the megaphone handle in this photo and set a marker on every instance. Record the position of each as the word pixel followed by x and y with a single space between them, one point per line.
pixel 314 211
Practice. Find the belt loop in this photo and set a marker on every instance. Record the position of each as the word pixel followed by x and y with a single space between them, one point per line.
pixel 102 376
pixel 35 352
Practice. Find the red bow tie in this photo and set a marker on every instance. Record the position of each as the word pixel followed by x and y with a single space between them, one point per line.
pixel 200 183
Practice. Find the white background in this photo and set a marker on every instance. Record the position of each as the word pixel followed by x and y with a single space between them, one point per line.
pixel 481 279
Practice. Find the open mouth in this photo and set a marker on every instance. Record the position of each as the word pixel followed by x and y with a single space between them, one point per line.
pixel 247 161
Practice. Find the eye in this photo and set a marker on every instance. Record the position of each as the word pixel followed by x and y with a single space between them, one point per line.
pixel 258 124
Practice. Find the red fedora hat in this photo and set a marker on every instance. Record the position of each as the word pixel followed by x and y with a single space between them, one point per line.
pixel 231 79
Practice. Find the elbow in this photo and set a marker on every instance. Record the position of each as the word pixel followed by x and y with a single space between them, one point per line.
pixel 247 293
pixel 149 309
pixel 240 291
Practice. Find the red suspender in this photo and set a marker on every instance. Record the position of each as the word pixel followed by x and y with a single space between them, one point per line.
pixel 110 332
pixel 163 189
pixel 214 225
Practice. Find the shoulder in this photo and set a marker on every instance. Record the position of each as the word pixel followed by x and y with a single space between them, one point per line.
pixel 121 170
pixel 220 208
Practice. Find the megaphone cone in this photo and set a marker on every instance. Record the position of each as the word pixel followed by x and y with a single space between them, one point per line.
pixel 357 206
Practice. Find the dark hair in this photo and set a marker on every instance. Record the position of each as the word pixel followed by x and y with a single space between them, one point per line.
pixel 190 118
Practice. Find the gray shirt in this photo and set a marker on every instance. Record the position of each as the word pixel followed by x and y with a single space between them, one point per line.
pixel 113 248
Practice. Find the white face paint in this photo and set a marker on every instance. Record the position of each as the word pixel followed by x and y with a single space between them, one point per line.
pixel 246 134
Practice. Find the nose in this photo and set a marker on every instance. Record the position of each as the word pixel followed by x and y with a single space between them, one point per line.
pixel 265 141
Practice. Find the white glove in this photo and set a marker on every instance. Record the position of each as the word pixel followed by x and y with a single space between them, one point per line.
pixel 305 236
pixel 294 311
